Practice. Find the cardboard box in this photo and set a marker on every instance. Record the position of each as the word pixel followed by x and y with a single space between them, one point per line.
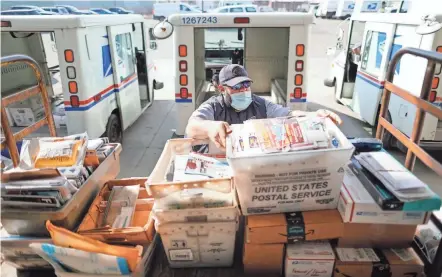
pixel 377 235
pixel 291 227
pixel 367 262
pixel 24 117
pixel 263 259
pixel 358 206
pixel 142 229
pixel 309 258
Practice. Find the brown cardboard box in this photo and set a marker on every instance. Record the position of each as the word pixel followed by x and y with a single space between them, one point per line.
pixel 263 259
pixel 377 235
pixel 314 225
pixel 403 264
pixel 142 229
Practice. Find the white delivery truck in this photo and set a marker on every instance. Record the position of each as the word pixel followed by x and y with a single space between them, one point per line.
pixel 358 72
pixel 344 9
pixel 163 10
pixel 102 62
pixel 327 8
pixel 278 69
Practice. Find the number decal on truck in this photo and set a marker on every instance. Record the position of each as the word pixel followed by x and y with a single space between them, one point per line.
pixel 200 20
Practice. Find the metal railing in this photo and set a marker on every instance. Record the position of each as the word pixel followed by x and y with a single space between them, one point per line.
pixel 412 143
pixel 10 138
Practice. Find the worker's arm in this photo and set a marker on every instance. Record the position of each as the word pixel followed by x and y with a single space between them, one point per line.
pixel 201 126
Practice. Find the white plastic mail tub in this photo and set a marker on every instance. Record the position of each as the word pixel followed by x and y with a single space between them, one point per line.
pixel 291 181
pixel 209 244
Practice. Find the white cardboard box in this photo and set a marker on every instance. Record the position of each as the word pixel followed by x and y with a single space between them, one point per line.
pixel 357 206
pixel 309 258
pixel 24 117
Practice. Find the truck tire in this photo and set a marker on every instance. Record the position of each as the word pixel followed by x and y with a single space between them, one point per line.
pixel 388 141
pixel 114 129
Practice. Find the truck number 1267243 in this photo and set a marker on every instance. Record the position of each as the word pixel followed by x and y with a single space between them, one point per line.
pixel 200 20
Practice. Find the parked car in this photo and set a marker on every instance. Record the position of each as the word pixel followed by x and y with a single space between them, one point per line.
pixel 58 10
pixel 163 10
pixel 120 10
pixel 265 9
pixel 102 11
pixel 20 12
pixel 30 7
pixel 88 12
pixel 72 9
pixel 237 9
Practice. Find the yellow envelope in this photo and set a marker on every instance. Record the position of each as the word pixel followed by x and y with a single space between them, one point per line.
pixel 64 238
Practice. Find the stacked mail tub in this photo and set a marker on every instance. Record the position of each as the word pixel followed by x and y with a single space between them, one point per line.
pixel 291 181
pixel 193 237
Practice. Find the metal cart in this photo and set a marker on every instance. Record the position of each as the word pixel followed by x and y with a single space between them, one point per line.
pixel 433 269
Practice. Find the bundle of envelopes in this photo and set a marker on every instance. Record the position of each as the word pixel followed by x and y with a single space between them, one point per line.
pixel 71 252
pixel 50 172
pixel 392 185
pixel 283 134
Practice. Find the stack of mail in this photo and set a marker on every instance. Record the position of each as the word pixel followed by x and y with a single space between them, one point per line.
pixel 395 177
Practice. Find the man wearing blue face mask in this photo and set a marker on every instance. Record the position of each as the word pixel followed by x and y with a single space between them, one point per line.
pixel 234 105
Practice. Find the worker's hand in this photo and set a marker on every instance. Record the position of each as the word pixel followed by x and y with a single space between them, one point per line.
pixel 320 113
pixel 326 113
pixel 217 132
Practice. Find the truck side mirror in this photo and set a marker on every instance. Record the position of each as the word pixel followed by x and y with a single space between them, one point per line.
pixel 240 36
pixel 158 85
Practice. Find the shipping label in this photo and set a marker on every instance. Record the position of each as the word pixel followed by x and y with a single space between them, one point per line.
pixel 357 255
pixel 295 227
pixel 404 254
pixel 181 255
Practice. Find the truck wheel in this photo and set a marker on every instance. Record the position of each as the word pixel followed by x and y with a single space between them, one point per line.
pixel 114 130
pixel 401 147
pixel 388 141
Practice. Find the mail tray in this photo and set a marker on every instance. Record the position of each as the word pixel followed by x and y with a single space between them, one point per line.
pixel 142 230
pixel 31 222
pixel 291 181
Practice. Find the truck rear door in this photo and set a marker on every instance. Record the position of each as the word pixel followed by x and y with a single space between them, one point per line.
pixel 125 73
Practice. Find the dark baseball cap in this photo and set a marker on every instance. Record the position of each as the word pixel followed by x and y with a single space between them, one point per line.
pixel 233 74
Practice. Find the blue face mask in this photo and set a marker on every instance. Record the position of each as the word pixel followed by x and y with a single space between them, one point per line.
pixel 241 100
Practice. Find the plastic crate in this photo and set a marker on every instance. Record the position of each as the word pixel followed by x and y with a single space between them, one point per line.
pixel 32 222
pixel 160 189
pixel 209 244
pixel 291 181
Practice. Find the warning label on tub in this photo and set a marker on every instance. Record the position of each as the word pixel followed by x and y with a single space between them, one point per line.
pixel 312 186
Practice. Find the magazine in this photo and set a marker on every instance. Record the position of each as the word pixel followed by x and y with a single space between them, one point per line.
pixel 202 165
